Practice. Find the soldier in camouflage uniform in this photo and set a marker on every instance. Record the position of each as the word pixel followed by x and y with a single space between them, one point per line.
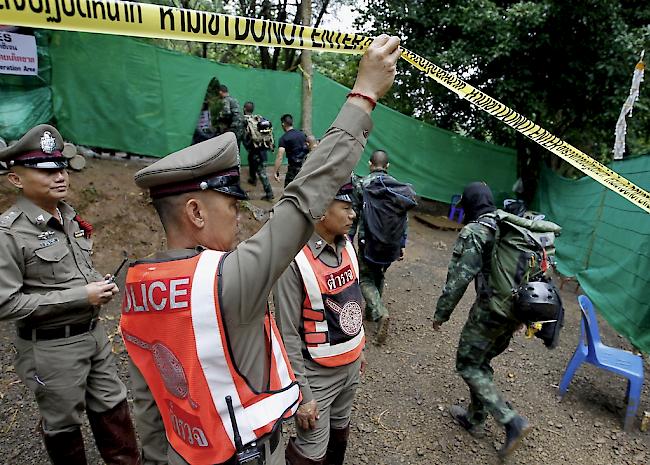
pixel 257 152
pixel 371 275
pixel 230 117
pixel 486 334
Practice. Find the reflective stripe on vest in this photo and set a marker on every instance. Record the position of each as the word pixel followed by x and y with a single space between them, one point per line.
pixel 173 326
pixel 316 332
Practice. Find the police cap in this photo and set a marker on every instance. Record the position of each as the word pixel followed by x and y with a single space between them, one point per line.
pixel 39 148
pixel 345 193
pixel 212 164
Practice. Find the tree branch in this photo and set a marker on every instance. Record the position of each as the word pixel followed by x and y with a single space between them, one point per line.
pixel 322 12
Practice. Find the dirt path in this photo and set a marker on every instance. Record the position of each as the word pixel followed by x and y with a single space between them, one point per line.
pixel 400 415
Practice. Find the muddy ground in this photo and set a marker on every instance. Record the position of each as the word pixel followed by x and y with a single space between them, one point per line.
pixel 400 415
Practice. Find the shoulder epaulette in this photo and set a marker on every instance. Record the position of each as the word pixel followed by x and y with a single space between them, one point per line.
pixel 8 218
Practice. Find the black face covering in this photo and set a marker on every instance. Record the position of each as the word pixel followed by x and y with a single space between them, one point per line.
pixel 476 201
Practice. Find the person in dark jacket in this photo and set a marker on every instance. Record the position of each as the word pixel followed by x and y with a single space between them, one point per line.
pixel 381 203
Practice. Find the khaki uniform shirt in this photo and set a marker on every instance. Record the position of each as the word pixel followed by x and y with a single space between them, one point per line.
pixel 44 267
pixel 288 296
pixel 250 271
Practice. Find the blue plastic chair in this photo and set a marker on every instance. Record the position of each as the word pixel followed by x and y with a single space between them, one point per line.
pixel 621 362
pixel 455 209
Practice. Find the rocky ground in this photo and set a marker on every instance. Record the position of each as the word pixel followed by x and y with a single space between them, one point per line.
pixel 400 415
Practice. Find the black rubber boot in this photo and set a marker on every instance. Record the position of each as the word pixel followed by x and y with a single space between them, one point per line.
pixel 516 430
pixel 459 414
pixel 337 446
pixel 66 448
pixel 115 435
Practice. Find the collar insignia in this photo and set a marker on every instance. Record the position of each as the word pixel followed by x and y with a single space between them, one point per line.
pixel 48 143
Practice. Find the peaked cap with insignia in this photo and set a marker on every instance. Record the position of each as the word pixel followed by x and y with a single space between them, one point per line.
pixel 345 192
pixel 212 164
pixel 39 148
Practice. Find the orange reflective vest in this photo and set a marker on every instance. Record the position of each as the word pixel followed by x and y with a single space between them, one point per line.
pixel 332 326
pixel 173 327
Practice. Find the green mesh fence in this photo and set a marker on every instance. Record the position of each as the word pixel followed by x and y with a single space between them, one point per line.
pixel 605 244
pixel 121 93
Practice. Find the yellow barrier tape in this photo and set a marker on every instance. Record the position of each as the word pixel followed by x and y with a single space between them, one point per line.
pixel 163 22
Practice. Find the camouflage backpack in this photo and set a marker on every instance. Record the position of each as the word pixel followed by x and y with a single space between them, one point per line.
pixel 259 132
pixel 522 253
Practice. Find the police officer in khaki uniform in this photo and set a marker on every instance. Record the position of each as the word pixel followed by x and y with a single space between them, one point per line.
pixel 48 284
pixel 208 218
pixel 318 307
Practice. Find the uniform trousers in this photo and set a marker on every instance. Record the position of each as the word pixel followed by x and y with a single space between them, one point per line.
pixel 371 281
pixel 149 423
pixel 257 168
pixel 292 172
pixel 334 390
pixel 70 375
pixel 485 335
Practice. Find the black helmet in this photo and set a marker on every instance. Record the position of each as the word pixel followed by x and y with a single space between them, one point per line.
pixel 537 301
pixel 264 125
pixel 516 207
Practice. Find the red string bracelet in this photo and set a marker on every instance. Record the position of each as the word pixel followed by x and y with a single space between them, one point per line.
pixel 372 101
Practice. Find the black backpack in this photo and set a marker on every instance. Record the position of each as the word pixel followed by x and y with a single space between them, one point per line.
pixel 386 202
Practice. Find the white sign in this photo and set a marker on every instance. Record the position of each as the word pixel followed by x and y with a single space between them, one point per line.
pixel 18 54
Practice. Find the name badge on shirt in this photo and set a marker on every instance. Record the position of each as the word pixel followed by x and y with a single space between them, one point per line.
pixel 49 242
pixel 79 233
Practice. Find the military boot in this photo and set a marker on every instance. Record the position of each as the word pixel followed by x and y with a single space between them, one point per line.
pixel 337 445
pixel 294 457
pixel 115 435
pixel 66 448
pixel 459 414
pixel 382 329
pixel 516 430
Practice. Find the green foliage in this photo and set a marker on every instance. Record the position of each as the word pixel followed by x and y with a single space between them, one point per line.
pixel 342 68
pixel 566 65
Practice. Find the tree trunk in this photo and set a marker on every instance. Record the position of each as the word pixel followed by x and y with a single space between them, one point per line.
pixel 305 62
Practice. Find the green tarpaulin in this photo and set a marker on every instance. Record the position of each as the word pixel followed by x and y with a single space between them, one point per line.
pixel 605 244
pixel 121 93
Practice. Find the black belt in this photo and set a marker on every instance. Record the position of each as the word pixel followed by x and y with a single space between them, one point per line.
pixel 39 334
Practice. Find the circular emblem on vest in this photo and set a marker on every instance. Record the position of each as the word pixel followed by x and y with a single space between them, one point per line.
pixel 350 316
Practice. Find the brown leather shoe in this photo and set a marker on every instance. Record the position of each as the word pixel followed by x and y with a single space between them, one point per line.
pixel 115 435
pixel 66 448
pixel 294 457
pixel 337 445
